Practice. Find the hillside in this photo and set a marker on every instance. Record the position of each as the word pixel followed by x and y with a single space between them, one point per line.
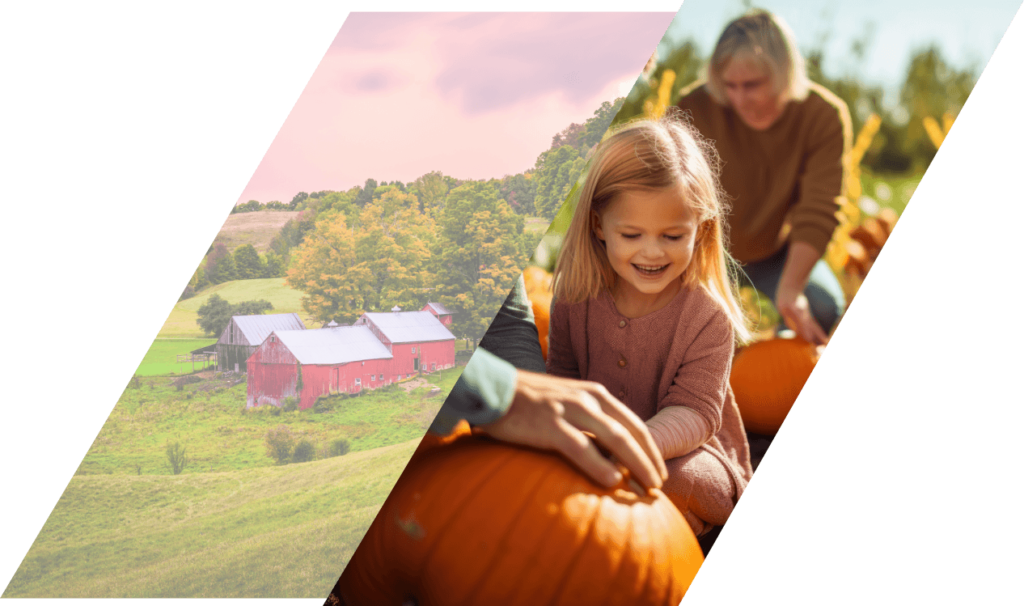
pixel 181 323
pixel 257 228
pixel 271 532
pixel 234 523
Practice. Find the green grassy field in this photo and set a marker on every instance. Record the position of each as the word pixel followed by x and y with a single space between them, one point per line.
pixel 234 523
pixel 889 190
pixel 182 321
pixel 161 359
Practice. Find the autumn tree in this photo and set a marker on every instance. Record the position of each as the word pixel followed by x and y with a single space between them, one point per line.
pixel 431 189
pixel 481 255
pixel 380 262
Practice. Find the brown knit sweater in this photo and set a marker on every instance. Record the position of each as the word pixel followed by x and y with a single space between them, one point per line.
pixel 783 182
pixel 679 355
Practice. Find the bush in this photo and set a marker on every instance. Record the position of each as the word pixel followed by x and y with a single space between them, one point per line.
pixel 289 404
pixel 280 443
pixel 339 447
pixel 304 451
pixel 176 457
pixel 275 411
pixel 323 404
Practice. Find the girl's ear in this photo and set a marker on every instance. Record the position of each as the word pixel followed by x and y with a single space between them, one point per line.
pixel 595 225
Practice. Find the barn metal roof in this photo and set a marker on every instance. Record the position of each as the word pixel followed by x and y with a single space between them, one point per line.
pixel 410 326
pixel 257 328
pixel 440 309
pixel 333 345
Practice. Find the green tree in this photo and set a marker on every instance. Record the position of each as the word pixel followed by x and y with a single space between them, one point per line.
pixel 519 191
pixel 273 265
pixel 557 171
pixel 932 88
pixel 481 255
pixel 215 315
pixel 280 443
pixel 248 265
pixel 251 308
pixel 220 265
pixel 177 458
pixel 323 267
pixel 595 127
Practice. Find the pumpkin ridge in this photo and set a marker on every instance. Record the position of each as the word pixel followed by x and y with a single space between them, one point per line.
pixel 618 569
pixel 498 552
pixel 455 509
pixel 579 552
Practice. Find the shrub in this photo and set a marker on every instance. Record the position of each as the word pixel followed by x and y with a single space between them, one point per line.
pixel 280 443
pixel 289 404
pixel 339 447
pixel 177 457
pixel 275 411
pixel 304 451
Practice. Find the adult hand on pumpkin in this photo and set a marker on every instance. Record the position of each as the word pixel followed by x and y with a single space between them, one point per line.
pixel 551 413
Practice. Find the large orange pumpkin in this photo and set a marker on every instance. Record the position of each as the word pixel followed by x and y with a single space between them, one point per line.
pixel 538 289
pixel 766 379
pixel 481 522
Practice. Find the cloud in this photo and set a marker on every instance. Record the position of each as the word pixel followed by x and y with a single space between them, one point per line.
pixel 372 82
pixel 506 59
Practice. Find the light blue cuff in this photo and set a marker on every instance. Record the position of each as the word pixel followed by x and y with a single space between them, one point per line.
pixel 481 395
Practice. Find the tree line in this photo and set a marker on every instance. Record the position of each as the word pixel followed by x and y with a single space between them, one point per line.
pixel 438 238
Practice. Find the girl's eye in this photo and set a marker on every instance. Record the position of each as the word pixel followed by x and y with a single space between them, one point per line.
pixel 631 236
pixel 673 238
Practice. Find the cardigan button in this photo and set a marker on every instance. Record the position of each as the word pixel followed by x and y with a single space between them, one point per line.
pixel 622 323
pixel 622 363
pixel 622 394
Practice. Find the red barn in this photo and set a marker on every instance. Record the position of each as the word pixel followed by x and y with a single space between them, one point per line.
pixel 379 349
pixel 417 340
pixel 440 312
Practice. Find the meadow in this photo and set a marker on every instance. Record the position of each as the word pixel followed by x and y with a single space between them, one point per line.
pixel 181 323
pixel 257 228
pixel 161 359
pixel 234 523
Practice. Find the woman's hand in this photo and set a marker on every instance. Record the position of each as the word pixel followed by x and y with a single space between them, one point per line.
pixel 551 413
pixel 796 312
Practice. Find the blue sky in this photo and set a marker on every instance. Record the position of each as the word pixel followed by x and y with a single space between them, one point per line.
pixel 967 33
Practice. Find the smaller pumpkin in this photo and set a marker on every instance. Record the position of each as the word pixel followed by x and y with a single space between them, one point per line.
pixel 887 218
pixel 538 289
pixel 766 379
pixel 857 260
pixel 871 235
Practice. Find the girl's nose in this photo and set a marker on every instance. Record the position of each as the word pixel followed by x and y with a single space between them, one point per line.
pixel 652 251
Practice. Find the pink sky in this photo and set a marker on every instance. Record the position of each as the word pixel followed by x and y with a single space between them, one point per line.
pixel 473 95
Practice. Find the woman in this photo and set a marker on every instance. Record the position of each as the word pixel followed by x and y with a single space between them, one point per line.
pixel 782 140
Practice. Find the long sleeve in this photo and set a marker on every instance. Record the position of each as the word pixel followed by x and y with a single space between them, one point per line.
pixel 702 381
pixel 561 361
pixel 484 391
pixel 821 180
pixel 677 431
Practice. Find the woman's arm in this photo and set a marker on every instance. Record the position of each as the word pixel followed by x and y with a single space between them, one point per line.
pixel 561 359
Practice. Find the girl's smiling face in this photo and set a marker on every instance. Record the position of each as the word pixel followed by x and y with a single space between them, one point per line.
pixel 649 237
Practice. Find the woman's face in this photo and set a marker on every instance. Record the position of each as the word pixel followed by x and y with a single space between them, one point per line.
pixel 751 93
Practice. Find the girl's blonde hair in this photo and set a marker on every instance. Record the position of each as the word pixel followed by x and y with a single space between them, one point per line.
pixel 651 155
pixel 765 39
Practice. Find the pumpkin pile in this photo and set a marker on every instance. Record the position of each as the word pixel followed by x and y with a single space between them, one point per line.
pixel 538 289
pixel 474 521
pixel 867 240
pixel 766 379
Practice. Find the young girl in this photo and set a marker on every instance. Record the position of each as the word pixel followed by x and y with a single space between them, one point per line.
pixel 644 305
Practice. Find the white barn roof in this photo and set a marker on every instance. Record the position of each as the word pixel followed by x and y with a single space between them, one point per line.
pixel 410 326
pixel 333 345
pixel 257 328
pixel 440 309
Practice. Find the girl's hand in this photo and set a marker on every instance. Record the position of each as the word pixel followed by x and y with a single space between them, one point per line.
pixel 551 413
pixel 796 311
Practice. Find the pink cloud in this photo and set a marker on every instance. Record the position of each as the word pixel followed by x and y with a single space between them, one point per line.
pixel 472 95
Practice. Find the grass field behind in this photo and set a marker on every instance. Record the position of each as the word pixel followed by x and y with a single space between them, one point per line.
pixel 256 228
pixel 181 323
pixel 161 359
pixel 234 523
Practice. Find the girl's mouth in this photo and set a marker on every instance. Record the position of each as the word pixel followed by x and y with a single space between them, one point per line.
pixel 650 270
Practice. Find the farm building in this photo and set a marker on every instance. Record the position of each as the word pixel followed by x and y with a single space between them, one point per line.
pixel 244 334
pixel 306 364
pixel 440 312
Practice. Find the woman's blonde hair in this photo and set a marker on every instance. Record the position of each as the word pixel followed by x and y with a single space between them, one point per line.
pixel 651 155
pixel 765 39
